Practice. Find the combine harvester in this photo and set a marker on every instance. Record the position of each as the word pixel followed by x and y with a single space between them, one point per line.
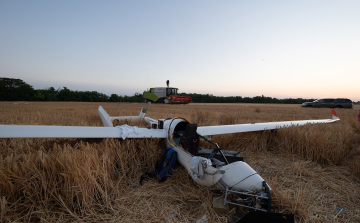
pixel 226 170
pixel 165 95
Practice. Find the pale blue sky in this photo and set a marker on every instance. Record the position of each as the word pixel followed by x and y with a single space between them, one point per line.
pixel 308 49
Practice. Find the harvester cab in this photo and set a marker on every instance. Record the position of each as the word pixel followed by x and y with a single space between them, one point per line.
pixel 166 95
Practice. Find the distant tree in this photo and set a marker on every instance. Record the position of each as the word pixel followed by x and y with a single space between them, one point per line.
pixel 66 94
pixel 87 96
pixel 114 98
pixel 39 96
pixel 15 90
pixel 137 97
pixel 103 97
pixel 50 94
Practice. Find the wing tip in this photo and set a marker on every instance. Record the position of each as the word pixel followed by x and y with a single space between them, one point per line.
pixel 334 115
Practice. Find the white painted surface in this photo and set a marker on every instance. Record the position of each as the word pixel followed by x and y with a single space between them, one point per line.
pixel 105 118
pixel 47 131
pixel 130 118
pixel 227 129
pixel 239 175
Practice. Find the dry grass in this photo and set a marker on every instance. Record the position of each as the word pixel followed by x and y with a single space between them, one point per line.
pixel 312 169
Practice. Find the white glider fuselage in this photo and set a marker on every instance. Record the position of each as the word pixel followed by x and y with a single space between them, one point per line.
pixel 236 175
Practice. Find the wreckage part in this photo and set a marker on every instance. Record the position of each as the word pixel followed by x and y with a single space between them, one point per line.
pixel 238 171
pixel 130 118
pixel 176 129
pixel 232 159
pixel 207 140
pixel 216 150
pixel 190 139
pixel 175 125
pixel 227 153
pixel 212 175
pixel 134 118
pixel 268 194
pixel 219 206
pixel 268 217
pixel 145 109
pixel 154 125
pixel 243 179
pixel 161 123
pixel 216 163
pixel 262 198
pixel 223 184
pixel 243 197
pixel 223 157
pixel 231 156
pixel 235 218
pixel 150 121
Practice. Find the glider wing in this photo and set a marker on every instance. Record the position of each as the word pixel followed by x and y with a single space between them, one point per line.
pixel 45 131
pixel 227 129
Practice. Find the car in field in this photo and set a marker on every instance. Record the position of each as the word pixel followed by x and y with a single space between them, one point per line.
pixel 329 103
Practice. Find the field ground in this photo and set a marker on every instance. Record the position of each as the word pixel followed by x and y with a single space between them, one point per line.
pixel 313 170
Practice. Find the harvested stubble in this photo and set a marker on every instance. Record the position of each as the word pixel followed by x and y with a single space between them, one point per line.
pixel 312 169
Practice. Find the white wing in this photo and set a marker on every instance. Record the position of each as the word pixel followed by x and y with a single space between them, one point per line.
pixel 44 131
pixel 227 129
pixel 47 131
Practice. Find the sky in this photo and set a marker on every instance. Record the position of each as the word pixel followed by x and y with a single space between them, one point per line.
pixel 282 49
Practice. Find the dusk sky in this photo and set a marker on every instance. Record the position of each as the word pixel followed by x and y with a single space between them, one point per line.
pixel 282 49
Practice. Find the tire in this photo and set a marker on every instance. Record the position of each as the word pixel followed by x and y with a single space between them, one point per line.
pixel 145 100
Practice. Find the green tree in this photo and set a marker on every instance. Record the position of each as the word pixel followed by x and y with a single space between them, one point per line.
pixel 51 94
pixel 39 96
pixel 66 94
pixel 15 90
pixel 114 98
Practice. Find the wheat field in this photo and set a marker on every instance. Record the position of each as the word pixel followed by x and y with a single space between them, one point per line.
pixel 313 170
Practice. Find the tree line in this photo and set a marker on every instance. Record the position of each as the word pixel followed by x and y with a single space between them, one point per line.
pixel 209 98
pixel 17 90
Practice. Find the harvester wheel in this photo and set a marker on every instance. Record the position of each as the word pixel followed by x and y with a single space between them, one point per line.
pixel 145 100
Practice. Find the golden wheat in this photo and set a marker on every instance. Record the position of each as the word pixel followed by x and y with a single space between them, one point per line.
pixel 312 169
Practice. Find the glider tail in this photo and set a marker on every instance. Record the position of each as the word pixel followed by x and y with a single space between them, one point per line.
pixel 105 118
